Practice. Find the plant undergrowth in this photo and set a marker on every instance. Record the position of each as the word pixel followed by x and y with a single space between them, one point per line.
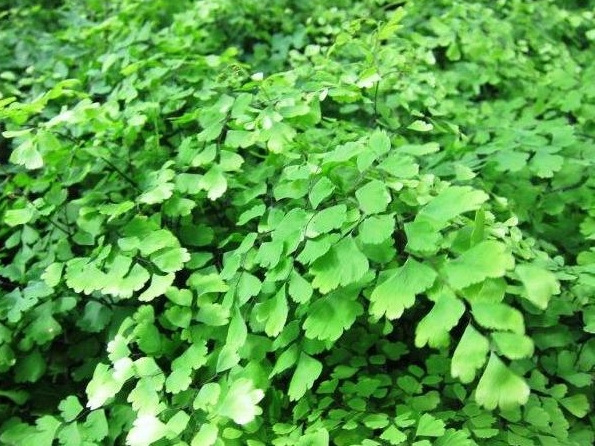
pixel 297 223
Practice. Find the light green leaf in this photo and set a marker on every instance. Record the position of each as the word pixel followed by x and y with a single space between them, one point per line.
pixel 158 287
pixel 286 359
pixel 228 358
pixel 376 229
pixel 540 284
pixel 215 315
pixel 513 345
pixel 102 386
pixel 429 426
pixel 205 284
pixel 178 380
pixel 248 286
pixel 269 254
pixel 206 436
pixel 179 297
pixel 52 274
pixel 170 260
pixel 422 237
pixel 157 193
pixel 273 312
pixel 373 197
pixel 393 435
pixel 237 331
pixel 146 429
pixel 315 249
pixel 144 398
pixel 240 402
pixel 16 217
pixel 400 166
pixel 214 182
pixel 299 289
pixel 70 408
pixel 320 191
pixel 420 126
pixel 500 387
pixel 230 161
pixel 254 212
pixel 96 427
pixel 379 142
pixel 498 316
pixel 451 202
pixel 176 424
pixel 397 293
pixel 318 438
pixel 306 372
pixel 70 435
pixel 329 316
pixel 486 259
pixel 327 220
pixel 433 329
pixel 26 154
pixel 577 405
pixel 208 396
pixel 470 355
pixel 343 264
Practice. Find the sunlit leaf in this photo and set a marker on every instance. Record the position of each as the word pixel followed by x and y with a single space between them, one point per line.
pixel 397 293
pixel 500 387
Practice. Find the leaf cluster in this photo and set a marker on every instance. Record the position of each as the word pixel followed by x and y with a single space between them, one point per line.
pixel 327 223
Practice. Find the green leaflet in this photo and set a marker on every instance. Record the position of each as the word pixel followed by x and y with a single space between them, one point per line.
pixel 434 328
pixel 214 182
pixel 488 259
pixel 373 197
pixel 170 260
pixel 498 316
pixel 307 371
pixel 273 313
pixel 500 387
pixel 27 154
pixel 240 402
pixel 206 436
pixel 540 284
pixel 327 220
pixel 420 126
pixel 16 217
pixel 329 316
pixel 397 293
pixel 470 355
pixel 376 229
pixel 285 360
pixel 400 166
pixel 320 191
pixel 578 405
pixel 159 285
pixel 421 236
pixel 70 407
pixel 428 426
pixel 299 289
pixel 513 345
pixel 146 429
pixel 102 386
pixel 236 337
pixel 451 202
pixel 342 265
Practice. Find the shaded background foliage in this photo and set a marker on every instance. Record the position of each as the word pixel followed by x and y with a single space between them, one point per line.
pixel 207 205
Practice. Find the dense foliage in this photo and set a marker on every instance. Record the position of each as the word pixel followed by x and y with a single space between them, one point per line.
pixel 297 222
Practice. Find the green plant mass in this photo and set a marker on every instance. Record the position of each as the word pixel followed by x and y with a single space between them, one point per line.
pixel 297 223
